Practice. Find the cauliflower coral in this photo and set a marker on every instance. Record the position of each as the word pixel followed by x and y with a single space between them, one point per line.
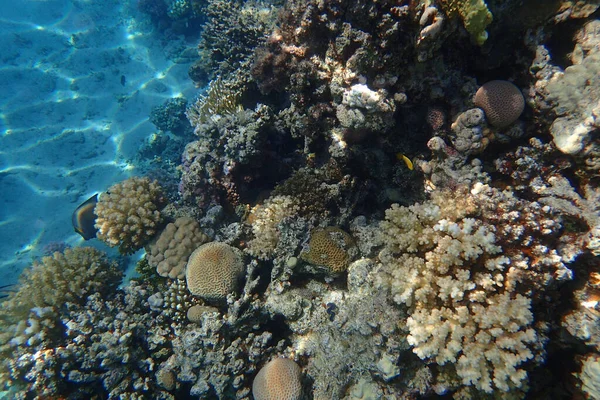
pixel 129 214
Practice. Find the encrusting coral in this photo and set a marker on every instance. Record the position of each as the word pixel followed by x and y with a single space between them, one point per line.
pixel 331 248
pixel 129 214
pixel 474 14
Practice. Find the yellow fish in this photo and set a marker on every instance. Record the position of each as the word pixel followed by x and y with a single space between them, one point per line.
pixel 406 160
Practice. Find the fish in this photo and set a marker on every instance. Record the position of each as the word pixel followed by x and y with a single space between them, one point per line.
pixel 123 80
pixel 84 218
pixel 406 160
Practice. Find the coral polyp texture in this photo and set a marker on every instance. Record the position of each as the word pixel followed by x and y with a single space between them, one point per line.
pixel 129 214
pixel 502 102
pixel 213 271
pixel 169 252
pixel 279 379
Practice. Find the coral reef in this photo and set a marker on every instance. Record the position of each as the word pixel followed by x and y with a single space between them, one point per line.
pixel 31 316
pixel 381 227
pixel 233 30
pixel 265 219
pixel 129 214
pixel 590 376
pixel 170 116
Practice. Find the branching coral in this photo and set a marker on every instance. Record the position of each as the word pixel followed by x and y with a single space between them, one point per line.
pixel 129 214
pixel 458 263
pixel 31 315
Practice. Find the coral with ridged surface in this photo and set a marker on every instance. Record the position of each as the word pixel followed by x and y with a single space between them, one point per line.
pixel 213 271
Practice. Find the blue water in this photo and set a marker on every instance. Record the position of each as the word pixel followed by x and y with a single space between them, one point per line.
pixel 68 126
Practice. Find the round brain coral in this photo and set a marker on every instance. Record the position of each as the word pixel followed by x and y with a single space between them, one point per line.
pixel 213 271
pixel 279 379
pixel 502 102
pixel 129 214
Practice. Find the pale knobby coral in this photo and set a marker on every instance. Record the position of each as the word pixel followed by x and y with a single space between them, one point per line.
pixel 129 214
pixel 169 252
pixel 462 289
pixel 470 132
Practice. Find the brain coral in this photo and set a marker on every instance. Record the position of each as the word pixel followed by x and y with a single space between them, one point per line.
pixel 331 248
pixel 279 379
pixel 213 271
pixel 170 251
pixel 128 214
pixel 502 102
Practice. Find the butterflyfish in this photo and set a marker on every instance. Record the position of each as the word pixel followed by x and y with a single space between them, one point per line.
pixel 84 218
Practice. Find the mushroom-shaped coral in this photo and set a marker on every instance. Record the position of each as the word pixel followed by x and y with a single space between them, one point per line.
pixel 129 214
pixel 502 102
pixel 279 379
pixel 213 271
pixel 170 251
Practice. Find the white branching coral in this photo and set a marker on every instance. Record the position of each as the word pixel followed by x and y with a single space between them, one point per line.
pixel 466 283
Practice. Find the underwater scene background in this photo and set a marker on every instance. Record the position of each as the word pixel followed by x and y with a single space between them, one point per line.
pixel 309 199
